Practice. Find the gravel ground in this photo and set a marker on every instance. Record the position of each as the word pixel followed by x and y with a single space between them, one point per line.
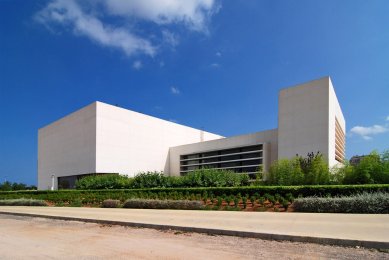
pixel 26 237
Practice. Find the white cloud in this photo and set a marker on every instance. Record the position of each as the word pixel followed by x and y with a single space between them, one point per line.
pixel 218 53
pixel 367 132
pixel 193 13
pixel 387 118
pixel 170 38
pixel 137 65
pixel 175 90
pixel 215 65
pixel 69 13
pixel 87 18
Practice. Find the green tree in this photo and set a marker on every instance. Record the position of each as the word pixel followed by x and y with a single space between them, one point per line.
pixel 6 186
pixel 297 171
pixel 315 169
pixel 285 172
pixel 373 168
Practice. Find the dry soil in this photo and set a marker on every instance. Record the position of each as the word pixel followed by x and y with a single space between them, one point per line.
pixel 27 238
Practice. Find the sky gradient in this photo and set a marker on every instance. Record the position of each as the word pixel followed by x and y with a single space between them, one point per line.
pixel 216 65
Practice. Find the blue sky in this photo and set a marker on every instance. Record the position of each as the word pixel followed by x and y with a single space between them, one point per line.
pixel 209 64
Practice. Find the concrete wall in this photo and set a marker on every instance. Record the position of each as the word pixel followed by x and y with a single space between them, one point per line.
pixel 334 111
pixel 306 119
pixel 268 138
pixel 67 146
pixel 129 142
pixel 101 138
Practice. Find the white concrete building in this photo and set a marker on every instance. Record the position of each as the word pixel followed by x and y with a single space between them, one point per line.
pixel 101 138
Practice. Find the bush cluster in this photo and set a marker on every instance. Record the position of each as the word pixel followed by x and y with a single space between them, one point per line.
pixel 311 170
pixel 104 181
pixel 96 197
pixel 162 204
pixel 374 203
pixel 110 203
pixel 197 178
pixel 373 168
pixel 13 186
pixel 22 202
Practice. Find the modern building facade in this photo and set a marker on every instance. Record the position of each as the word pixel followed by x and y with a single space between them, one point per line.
pixel 101 138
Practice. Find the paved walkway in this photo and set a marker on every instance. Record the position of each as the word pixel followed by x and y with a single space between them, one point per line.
pixel 368 230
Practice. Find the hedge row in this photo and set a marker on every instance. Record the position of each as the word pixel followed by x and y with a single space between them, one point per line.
pixel 98 196
pixel 373 203
pixel 148 180
pixel 22 202
pixel 162 204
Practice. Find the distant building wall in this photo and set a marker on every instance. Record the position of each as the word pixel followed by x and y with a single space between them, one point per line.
pixel 67 147
pixel 129 142
pixel 306 120
pixel 268 138
pixel 336 130
pixel 101 138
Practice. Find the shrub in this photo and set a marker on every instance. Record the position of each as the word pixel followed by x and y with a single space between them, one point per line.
pixel 214 178
pixel 162 204
pixel 373 168
pixel 104 181
pixel 76 203
pixel 98 196
pixel 22 202
pixel 375 203
pixel 151 180
pixel 110 203
pixel 310 170
pixel 14 186
pixel 144 180
pixel 285 172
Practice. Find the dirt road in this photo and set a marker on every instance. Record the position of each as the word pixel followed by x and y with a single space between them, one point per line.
pixel 26 238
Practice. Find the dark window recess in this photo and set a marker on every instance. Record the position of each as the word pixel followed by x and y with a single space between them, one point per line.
pixel 216 159
pixel 237 150
pixel 68 182
pixel 251 155
pixel 192 168
pixel 229 164
pixel 213 165
pixel 250 169
pixel 252 148
pixel 229 158
pixel 210 154
pixel 192 162
pixel 252 162
pixel 192 156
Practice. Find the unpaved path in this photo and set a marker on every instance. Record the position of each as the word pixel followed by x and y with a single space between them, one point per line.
pixel 27 238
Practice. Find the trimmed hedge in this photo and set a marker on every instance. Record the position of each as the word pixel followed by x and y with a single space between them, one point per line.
pixel 22 202
pixel 374 203
pixel 110 203
pixel 98 196
pixel 147 180
pixel 162 204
